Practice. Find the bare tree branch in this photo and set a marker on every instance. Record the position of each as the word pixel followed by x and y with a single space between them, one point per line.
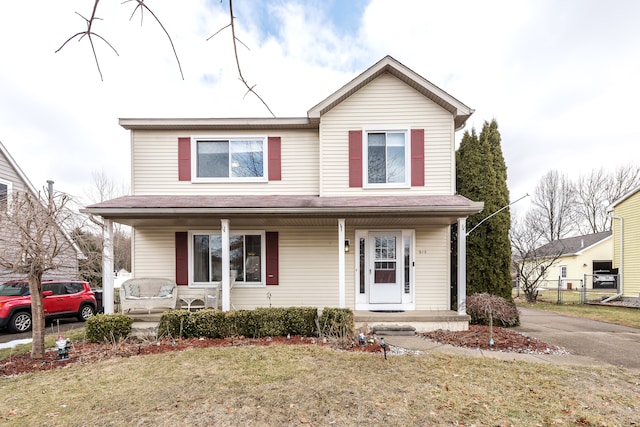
pixel 89 34
pixel 142 6
pixel 235 40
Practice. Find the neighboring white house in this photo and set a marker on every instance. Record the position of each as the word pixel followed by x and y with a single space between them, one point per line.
pixel 581 259
pixel 350 206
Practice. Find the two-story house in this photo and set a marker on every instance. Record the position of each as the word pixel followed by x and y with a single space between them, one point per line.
pixel 350 206
pixel 13 181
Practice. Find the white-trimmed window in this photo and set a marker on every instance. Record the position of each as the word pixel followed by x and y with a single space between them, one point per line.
pixel 5 193
pixel 386 158
pixel 246 258
pixel 238 158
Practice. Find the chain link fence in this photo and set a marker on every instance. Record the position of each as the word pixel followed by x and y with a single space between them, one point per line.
pixel 589 288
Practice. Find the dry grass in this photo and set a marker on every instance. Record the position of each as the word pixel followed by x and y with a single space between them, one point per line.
pixel 618 315
pixel 285 385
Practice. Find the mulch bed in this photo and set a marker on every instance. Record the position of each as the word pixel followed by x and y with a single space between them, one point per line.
pixel 504 339
pixel 87 352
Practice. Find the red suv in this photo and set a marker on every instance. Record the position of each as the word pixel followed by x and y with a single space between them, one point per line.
pixel 60 298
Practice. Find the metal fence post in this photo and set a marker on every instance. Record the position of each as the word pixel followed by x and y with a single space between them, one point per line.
pixel 584 290
pixel 559 290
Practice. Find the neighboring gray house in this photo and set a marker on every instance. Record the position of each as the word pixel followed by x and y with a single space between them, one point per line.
pixel 14 181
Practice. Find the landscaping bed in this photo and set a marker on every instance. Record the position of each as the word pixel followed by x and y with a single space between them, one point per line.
pixel 87 352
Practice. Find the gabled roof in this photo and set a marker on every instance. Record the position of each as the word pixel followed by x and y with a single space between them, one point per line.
pixel 34 193
pixel 460 111
pixel 572 245
pixel 15 167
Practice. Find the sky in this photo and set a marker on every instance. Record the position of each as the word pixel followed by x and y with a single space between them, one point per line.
pixel 559 76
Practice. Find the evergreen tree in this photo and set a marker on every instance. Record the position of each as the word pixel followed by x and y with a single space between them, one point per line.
pixel 482 175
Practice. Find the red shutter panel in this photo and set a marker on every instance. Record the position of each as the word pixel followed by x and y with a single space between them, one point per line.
pixel 184 159
pixel 275 163
pixel 355 158
pixel 271 256
pixel 182 258
pixel 417 157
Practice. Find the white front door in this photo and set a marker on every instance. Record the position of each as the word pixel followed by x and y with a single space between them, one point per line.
pixel 385 268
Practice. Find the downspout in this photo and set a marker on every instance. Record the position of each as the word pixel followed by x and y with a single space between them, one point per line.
pixel 621 267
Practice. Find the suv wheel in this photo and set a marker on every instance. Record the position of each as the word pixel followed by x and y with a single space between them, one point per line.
pixel 85 312
pixel 20 322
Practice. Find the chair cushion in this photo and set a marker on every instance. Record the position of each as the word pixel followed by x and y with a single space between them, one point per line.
pixel 166 290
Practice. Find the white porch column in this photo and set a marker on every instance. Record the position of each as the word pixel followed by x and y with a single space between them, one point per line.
pixel 226 282
pixel 107 266
pixel 462 266
pixel 342 290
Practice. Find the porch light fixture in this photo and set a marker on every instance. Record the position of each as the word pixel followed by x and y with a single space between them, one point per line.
pixel 347 243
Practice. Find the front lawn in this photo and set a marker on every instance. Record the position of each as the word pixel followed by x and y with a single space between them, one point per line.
pixel 312 385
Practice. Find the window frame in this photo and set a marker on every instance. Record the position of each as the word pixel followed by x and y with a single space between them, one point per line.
pixel 229 138
pixel 406 130
pixel 217 283
pixel 9 186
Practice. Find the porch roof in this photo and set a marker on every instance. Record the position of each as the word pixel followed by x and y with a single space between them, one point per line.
pixel 170 209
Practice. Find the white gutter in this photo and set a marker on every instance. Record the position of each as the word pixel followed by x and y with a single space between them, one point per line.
pixel 621 267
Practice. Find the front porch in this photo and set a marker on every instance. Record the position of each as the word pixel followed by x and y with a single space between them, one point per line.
pixel 409 322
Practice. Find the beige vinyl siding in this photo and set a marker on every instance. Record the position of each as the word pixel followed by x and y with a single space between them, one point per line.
pixel 155 253
pixel 308 266
pixel 155 165
pixel 432 272
pixel 629 210
pixel 387 101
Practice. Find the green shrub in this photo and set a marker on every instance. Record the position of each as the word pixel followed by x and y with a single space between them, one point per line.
pixel 301 321
pixel 108 327
pixel 486 309
pixel 258 323
pixel 210 323
pixel 176 323
pixel 336 323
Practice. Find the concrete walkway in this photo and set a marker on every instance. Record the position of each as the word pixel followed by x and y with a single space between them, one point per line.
pixel 589 342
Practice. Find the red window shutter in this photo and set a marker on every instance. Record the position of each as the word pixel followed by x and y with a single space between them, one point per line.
pixel 271 256
pixel 355 158
pixel 182 258
pixel 417 157
pixel 275 163
pixel 184 159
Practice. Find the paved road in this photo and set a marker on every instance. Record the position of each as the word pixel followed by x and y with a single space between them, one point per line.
pixel 612 344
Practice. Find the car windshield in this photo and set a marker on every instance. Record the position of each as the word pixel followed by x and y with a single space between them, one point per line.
pixel 14 289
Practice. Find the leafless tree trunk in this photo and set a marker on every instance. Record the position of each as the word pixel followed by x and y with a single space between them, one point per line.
pixel 554 204
pixel 528 262
pixel 34 243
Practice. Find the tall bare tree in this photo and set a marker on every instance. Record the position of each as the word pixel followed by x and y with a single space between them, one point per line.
pixel 529 263
pixel 554 206
pixel 33 243
pixel 599 188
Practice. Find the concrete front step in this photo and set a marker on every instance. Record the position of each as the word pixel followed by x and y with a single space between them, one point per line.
pixel 144 329
pixel 396 330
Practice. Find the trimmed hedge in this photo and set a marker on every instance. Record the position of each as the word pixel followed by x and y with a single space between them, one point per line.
pixel 258 323
pixel 108 327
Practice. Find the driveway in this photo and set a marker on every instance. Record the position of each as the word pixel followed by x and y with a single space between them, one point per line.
pixel 606 342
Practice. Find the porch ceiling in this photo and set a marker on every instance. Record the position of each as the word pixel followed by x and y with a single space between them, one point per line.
pixel 284 210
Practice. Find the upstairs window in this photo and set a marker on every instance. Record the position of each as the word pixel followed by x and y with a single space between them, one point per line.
pixel 230 159
pixel 386 158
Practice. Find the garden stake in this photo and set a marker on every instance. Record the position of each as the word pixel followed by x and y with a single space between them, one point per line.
pixel 384 347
